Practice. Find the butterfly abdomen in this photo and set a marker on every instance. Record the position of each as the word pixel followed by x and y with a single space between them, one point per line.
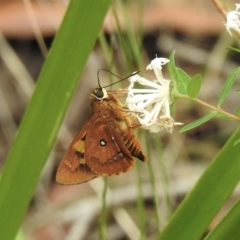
pixel 132 144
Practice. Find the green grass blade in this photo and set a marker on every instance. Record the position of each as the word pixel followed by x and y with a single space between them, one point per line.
pixel 228 228
pixel 216 184
pixel 45 112
pixel 20 235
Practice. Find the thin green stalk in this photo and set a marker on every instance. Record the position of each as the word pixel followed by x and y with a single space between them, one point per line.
pixel 153 185
pixel 140 203
pixel 103 214
pixel 107 51
pixel 163 173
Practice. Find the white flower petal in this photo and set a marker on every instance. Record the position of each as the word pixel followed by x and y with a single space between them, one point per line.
pixel 157 63
pixel 143 81
pixel 233 22
pixel 152 105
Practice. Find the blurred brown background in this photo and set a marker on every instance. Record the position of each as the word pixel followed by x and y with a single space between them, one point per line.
pixel 195 30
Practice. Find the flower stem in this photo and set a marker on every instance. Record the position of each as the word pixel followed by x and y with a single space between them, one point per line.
pixel 217 109
pixel 220 7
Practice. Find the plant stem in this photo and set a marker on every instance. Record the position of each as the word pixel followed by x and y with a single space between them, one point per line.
pixel 217 109
pixel 219 7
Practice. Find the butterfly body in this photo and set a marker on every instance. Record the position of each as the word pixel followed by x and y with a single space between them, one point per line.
pixel 105 145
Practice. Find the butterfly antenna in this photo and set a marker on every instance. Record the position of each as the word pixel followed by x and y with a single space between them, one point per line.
pixel 121 79
pixel 106 71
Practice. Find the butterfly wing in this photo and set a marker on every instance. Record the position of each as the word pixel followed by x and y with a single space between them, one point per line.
pixel 65 174
pixel 102 147
pixel 105 153
pixel 73 168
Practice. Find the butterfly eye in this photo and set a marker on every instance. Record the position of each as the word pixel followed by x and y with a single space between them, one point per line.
pixel 99 93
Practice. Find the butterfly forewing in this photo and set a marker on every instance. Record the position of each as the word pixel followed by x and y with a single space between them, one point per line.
pixel 67 176
pixel 73 168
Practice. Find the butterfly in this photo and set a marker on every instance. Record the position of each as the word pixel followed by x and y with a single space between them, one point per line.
pixel 104 146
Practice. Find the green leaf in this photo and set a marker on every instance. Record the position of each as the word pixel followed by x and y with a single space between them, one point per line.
pixel 183 80
pixel 180 78
pixel 198 122
pixel 172 109
pixel 228 228
pixel 227 86
pixel 194 86
pixel 172 71
pixel 45 112
pixel 234 49
pixel 238 112
pixel 222 116
pixel 214 187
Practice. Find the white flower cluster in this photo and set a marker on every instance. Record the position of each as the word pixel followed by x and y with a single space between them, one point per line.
pixel 152 105
pixel 233 22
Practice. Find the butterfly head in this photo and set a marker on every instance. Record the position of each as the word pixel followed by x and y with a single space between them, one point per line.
pixel 99 93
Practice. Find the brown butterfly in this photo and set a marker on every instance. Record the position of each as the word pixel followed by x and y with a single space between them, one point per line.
pixel 104 146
